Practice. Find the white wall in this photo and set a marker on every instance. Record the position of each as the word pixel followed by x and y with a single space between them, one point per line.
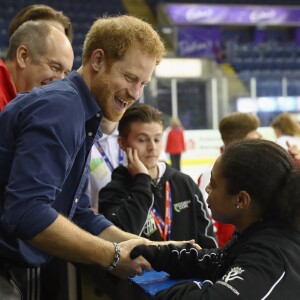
pixel 203 147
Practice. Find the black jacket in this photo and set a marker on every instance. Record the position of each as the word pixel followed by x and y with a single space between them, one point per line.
pixel 126 201
pixel 261 263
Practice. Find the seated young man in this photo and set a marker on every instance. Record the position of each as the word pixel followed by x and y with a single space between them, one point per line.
pixel 148 197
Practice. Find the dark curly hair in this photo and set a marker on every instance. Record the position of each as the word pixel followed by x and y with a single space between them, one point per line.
pixel 266 171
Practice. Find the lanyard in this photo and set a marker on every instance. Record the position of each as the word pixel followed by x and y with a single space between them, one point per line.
pixel 164 226
pixel 106 159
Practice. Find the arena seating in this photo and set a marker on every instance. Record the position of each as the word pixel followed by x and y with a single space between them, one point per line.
pixel 81 13
pixel 268 61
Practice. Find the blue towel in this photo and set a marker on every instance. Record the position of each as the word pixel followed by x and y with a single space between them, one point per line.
pixel 153 282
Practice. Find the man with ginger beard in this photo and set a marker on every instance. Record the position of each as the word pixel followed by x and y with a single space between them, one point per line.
pixel 45 140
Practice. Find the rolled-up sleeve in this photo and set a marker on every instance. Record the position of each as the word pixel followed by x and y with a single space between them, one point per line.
pixel 85 217
pixel 45 144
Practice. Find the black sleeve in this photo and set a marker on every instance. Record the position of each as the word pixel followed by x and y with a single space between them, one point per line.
pixel 179 262
pixel 258 272
pixel 126 201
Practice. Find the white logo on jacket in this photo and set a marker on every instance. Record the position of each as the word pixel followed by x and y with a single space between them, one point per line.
pixel 233 274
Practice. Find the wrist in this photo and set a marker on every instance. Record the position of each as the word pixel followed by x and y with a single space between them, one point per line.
pixel 116 258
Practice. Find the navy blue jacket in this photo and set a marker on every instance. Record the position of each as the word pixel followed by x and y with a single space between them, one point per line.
pixel 45 139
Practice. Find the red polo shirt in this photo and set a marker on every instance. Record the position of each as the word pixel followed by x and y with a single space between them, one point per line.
pixel 7 91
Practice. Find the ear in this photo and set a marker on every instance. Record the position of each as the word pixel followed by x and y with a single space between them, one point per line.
pixel 97 59
pixel 122 143
pixel 22 56
pixel 243 200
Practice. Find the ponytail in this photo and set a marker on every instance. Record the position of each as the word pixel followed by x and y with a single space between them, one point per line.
pixel 287 202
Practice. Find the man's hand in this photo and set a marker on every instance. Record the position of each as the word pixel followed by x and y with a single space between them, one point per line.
pixel 135 166
pixel 294 150
pixel 128 267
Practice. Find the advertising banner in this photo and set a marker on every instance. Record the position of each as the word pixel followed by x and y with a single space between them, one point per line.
pixel 199 41
pixel 184 14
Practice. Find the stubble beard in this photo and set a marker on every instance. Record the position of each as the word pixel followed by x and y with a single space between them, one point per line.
pixel 105 100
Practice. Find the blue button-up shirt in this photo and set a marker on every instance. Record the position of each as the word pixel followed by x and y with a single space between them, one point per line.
pixel 45 139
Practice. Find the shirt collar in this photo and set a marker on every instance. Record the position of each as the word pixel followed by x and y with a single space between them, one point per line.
pixel 89 103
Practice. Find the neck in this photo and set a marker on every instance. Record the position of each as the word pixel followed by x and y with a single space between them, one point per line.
pixel 12 75
pixel 248 217
pixel 154 173
pixel 107 126
pixel 86 75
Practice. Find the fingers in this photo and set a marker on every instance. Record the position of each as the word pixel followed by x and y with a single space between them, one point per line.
pixel 139 272
pixel 129 154
pixel 198 247
pixel 294 151
pixel 178 243
pixel 135 253
pixel 142 266
pixel 135 246
pixel 132 155
pixel 138 246
pixel 131 267
pixel 135 155
pixel 146 266
pixel 135 165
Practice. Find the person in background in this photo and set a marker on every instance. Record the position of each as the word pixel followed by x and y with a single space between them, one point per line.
pixel 37 54
pixel 43 12
pixel 175 144
pixel 106 155
pixel 287 130
pixel 14 68
pixel 45 140
pixel 262 259
pixel 233 127
pixel 148 197
pixel 294 151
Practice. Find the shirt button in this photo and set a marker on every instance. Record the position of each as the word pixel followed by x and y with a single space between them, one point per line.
pixel 90 133
pixel 76 200
pixel 98 115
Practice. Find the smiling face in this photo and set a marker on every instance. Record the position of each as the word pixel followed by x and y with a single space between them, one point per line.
pixel 119 84
pixel 146 138
pixel 54 64
pixel 222 205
